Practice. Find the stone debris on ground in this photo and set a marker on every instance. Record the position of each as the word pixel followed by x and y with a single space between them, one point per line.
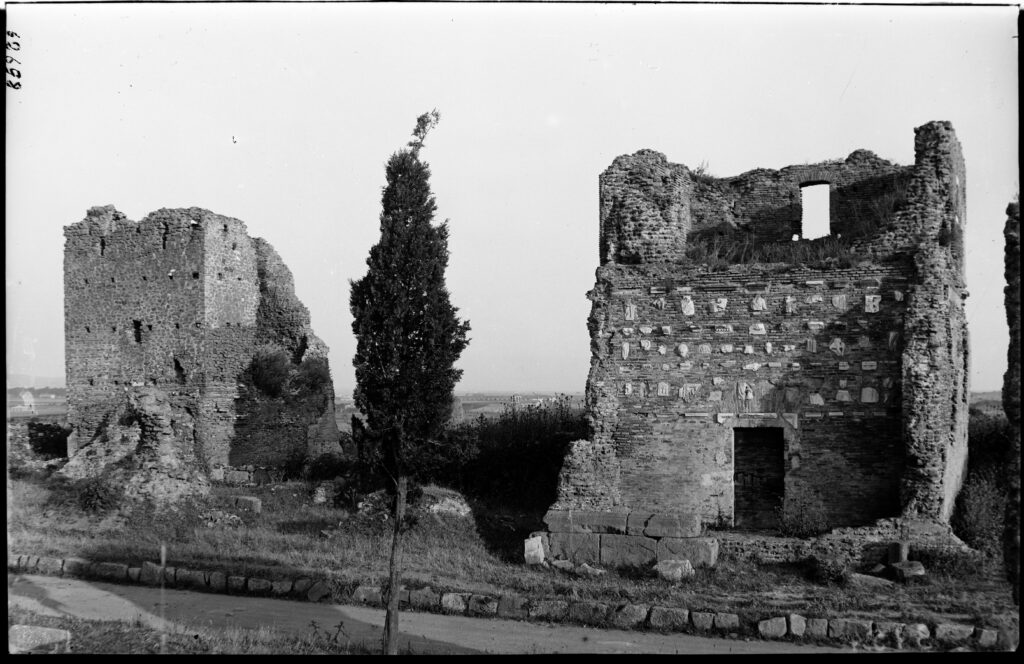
pixel 32 639
pixel 220 518
pixel 674 571
pixel 907 570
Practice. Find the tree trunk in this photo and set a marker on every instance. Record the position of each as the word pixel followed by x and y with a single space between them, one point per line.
pixel 389 644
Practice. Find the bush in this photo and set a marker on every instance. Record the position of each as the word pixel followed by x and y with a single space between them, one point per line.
pixel 270 369
pixel 326 467
pixel 313 375
pixel 979 512
pixel 828 571
pixel 97 495
pixel 802 517
pixel 49 441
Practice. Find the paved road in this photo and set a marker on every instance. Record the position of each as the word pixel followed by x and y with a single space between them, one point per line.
pixel 421 632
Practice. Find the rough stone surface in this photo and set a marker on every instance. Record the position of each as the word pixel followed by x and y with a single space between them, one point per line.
pixel 576 547
pixel 849 628
pixel 190 578
pixel 987 638
pixel 632 550
pixel 454 602
pixel 674 570
pixel 76 567
pixel 512 606
pixel 554 610
pixel 890 633
pixel 533 550
pixel 318 591
pixel 482 605
pixel 629 616
pixel 797 625
pixel 1011 397
pixel 259 586
pixel 236 584
pixel 151 574
pixel 302 585
pixel 181 302
pixel 953 633
pixel 702 620
pixel 908 570
pixel 29 638
pixel 251 503
pixel 852 373
pixel 817 628
pixel 669 618
pixel 281 588
pixel 218 582
pixel 588 612
pixel 700 551
pixel 725 622
pixel 773 628
pixel 423 598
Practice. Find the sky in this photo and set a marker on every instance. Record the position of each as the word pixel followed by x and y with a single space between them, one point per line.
pixel 284 115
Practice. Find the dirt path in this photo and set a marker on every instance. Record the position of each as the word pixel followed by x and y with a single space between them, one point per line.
pixel 421 632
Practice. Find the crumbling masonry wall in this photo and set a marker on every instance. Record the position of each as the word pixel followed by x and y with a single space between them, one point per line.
pixel 856 362
pixel 173 302
pixel 1011 396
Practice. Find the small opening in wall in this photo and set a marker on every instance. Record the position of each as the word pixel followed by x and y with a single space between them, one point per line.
pixel 86 282
pixel 112 280
pixel 220 275
pixel 137 329
pixel 199 324
pixel 113 328
pixel 814 206
pixel 234 245
pixel 103 246
pixel 91 382
pixel 225 228
pixel 179 372
pixel 145 278
pixel 227 324
pixel 149 328
pixel 195 275
pixel 87 329
pixel 170 276
pixel 239 278
pixel 177 326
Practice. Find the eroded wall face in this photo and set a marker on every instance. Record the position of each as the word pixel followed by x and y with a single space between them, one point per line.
pixel 133 313
pixel 684 356
pixel 1011 396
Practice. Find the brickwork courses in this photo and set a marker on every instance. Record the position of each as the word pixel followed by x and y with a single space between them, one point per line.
pixel 725 393
pixel 175 306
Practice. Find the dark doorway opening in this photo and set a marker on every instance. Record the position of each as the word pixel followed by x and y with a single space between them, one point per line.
pixel 758 476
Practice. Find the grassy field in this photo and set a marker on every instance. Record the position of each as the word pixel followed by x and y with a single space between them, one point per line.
pixel 481 553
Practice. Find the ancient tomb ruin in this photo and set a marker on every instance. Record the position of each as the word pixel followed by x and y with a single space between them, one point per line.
pixel 740 370
pixel 183 314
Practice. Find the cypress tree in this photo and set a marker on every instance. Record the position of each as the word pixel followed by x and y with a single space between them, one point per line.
pixel 408 335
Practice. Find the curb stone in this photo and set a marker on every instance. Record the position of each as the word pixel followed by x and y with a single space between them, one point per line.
pixel 625 615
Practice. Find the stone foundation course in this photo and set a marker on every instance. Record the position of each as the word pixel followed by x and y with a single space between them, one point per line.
pixel 622 615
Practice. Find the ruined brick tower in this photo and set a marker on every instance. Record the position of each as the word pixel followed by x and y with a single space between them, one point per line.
pixel 182 302
pixel 737 372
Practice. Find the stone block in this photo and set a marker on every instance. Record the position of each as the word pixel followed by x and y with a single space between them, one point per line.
pixel 29 638
pixel 580 521
pixel 848 628
pixel 424 598
pixel 549 609
pixel 236 584
pixel 281 588
pixel 533 551
pixel 76 567
pixel 454 602
pixel 907 570
pixel 301 586
pixel 773 628
pixel 512 606
pixel 217 581
pixel 727 622
pixel 986 638
pixel 634 550
pixel 916 633
pixel 817 628
pixel 258 586
pixel 189 578
pixel 701 620
pixel 577 547
pixel 368 595
pixel 668 618
pixel 589 613
pixel 169 574
pixel 673 525
pixel 898 552
pixel 250 503
pixel 482 605
pixel 700 551
pixel 318 591
pixel 797 625
pixel 953 633
pixel 134 573
pixel 111 571
pixel 152 574
pixel 891 632
pixel 674 571
pixel 47 565
pixel 629 616
pixel 636 522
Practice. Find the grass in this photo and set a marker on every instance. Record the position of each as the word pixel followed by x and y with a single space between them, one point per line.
pixel 479 554
pixel 134 637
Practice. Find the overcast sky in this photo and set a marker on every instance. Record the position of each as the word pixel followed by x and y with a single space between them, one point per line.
pixel 284 116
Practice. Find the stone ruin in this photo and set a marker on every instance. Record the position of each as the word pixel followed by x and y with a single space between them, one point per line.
pixel 1011 394
pixel 738 374
pixel 165 320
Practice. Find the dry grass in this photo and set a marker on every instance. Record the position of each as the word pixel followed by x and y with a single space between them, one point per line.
pixel 474 554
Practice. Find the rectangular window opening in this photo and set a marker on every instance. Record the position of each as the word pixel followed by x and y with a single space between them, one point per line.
pixel 758 477
pixel 814 207
pixel 137 329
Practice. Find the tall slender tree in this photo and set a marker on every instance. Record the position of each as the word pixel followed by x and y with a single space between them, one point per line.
pixel 408 335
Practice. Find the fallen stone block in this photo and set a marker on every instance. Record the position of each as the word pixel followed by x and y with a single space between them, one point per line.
pixel 533 551
pixel 817 628
pixel 772 628
pixel 251 503
pixel 554 610
pixel 47 565
pixel 898 552
pixel 29 638
pixel 848 628
pixel 673 525
pixel 727 622
pixel 258 586
pixel 629 616
pixel 189 578
pixel 700 551
pixel 589 612
pixel 512 606
pixel 482 605
pixel 669 618
pixel 701 620
pixel 424 598
pixel 634 550
pixel 953 633
pixel 301 586
pixel 589 572
pixel 110 571
pixel 368 595
pixel 907 570
pixel 563 565
pixel 318 591
pixel 454 602
pixel 916 633
pixel 581 521
pixel 986 638
pixel 890 632
pixel 674 571
pixel 134 573
pixel 797 625
pixel 281 588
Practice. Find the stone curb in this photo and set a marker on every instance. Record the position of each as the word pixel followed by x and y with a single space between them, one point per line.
pixel 792 627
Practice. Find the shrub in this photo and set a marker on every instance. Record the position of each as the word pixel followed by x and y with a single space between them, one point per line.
pixel 979 512
pixel 828 571
pixel 97 495
pixel 326 467
pixel 802 517
pixel 49 441
pixel 270 369
pixel 313 375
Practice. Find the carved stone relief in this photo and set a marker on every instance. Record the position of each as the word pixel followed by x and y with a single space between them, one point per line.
pixel 686 305
pixel 869 395
pixel 871 303
pixel 758 328
pixel 838 346
pixel 758 304
pixel 630 311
